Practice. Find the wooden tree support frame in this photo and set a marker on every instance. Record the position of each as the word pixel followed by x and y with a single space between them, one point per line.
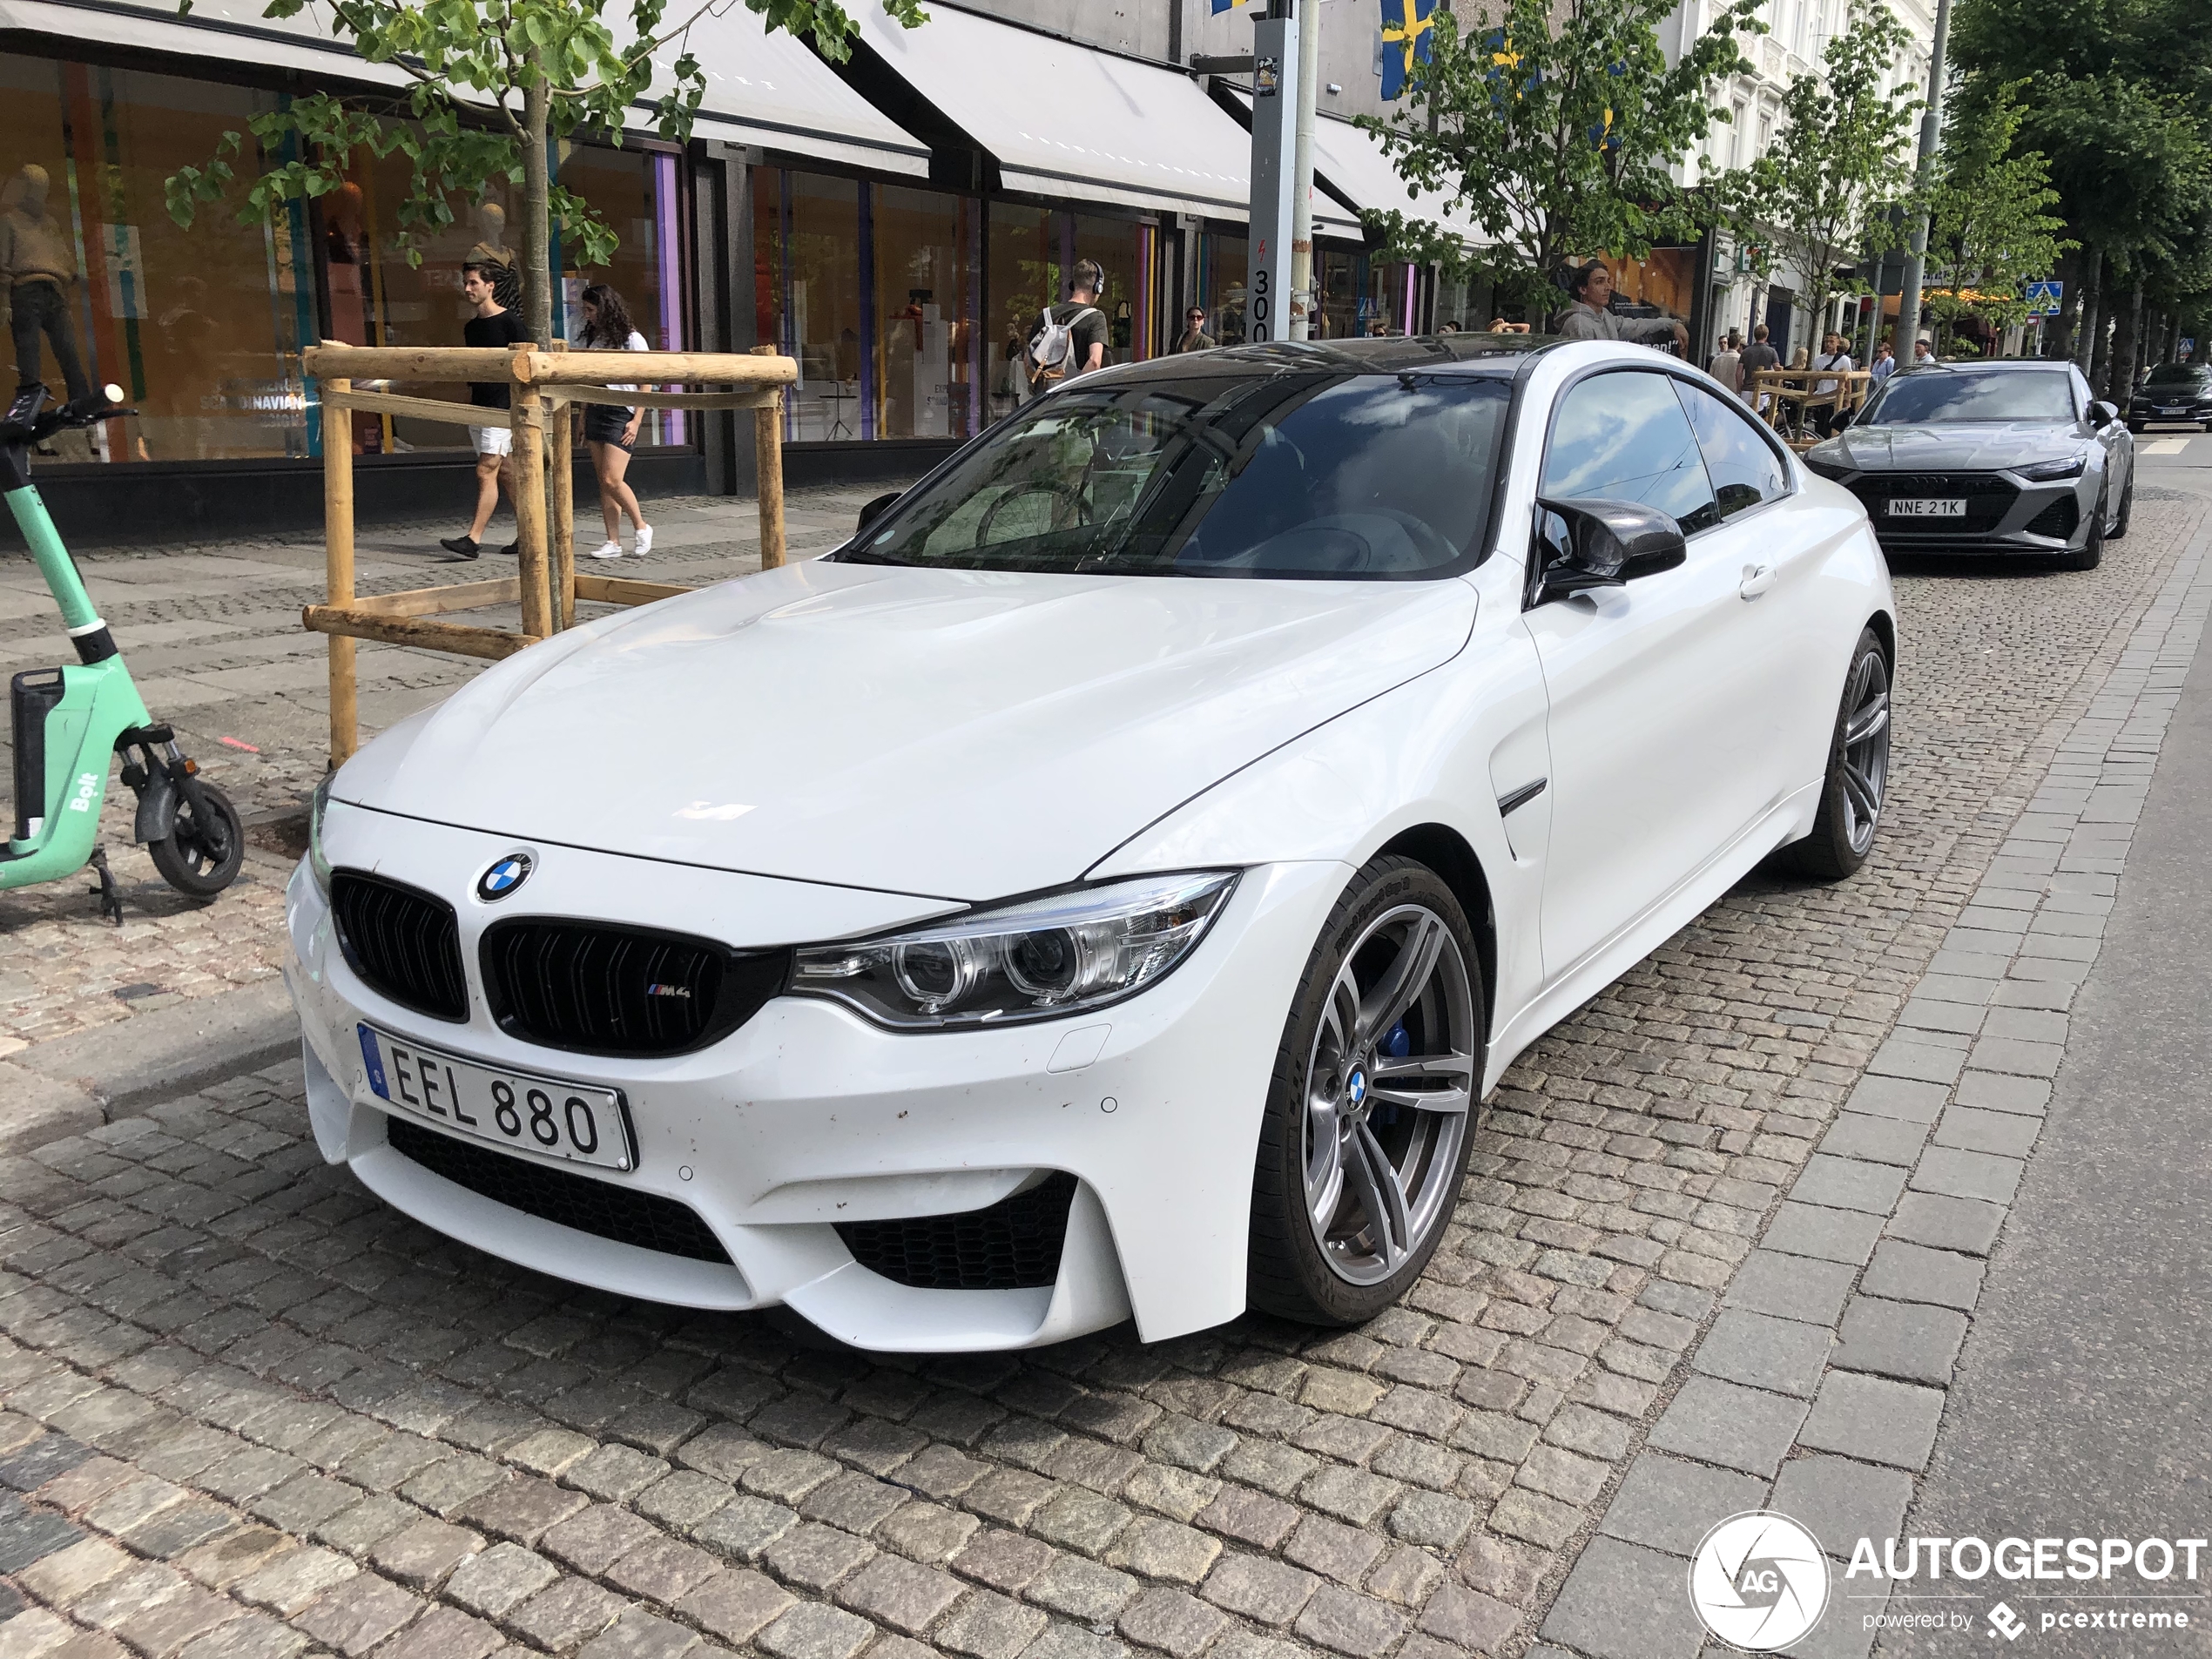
pixel 1771 391
pixel 544 387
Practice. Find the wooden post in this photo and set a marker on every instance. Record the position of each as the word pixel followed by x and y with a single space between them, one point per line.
pixel 529 504
pixel 338 545
pixel 561 458
pixel 768 463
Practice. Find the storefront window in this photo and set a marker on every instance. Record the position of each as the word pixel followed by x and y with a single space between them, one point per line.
pixel 807 259
pixel 377 298
pixel 929 362
pixel 201 328
pixel 1222 262
pixel 1032 251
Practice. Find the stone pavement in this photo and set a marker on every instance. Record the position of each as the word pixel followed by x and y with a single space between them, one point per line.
pixel 213 639
pixel 246 1410
pixel 1820 1388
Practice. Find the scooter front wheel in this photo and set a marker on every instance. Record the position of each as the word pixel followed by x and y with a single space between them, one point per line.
pixel 203 851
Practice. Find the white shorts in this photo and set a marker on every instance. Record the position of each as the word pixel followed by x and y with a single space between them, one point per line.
pixel 493 440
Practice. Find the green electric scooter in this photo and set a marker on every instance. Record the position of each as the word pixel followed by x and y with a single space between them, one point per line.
pixel 69 721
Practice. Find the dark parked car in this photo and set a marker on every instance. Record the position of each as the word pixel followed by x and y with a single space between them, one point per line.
pixel 2174 392
pixel 1997 457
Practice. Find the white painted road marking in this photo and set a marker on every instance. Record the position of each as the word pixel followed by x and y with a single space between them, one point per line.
pixel 2165 447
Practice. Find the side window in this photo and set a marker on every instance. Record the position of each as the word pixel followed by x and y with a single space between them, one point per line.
pixel 1623 437
pixel 1743 467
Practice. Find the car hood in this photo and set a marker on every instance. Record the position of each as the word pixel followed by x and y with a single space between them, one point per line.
pixel 960 734
pixel 1963 446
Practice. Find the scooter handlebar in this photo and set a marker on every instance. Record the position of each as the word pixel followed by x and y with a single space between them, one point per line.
pixel 29 422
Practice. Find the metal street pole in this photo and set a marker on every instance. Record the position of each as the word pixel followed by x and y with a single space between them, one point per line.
pixel 1270 280
pixel 1304 298
pixel 1908 305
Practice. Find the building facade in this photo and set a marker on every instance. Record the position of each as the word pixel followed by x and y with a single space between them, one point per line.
pixel 894 224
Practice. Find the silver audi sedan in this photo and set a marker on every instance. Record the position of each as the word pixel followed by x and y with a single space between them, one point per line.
pixel 1995 458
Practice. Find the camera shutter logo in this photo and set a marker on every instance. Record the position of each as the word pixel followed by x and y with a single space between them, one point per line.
pixel 1758 1580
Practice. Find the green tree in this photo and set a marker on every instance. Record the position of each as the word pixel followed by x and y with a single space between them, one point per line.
pixel 494 83
pixel 1990 228
pixel 1552 127
pixel 1840 153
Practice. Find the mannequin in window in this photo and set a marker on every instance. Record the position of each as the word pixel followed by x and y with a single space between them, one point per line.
pixel 38 267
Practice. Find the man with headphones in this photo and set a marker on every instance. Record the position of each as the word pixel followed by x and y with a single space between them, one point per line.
pixel 1069 338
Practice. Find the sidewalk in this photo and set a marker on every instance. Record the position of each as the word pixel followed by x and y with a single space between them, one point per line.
pixel 213 635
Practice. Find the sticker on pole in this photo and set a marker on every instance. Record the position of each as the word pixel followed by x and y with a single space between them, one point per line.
pixel 1758 1580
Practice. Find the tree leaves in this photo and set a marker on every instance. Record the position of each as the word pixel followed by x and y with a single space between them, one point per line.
pixel 1553 132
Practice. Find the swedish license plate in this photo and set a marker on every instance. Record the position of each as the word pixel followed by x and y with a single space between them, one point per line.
pixel 2165 411
pixel 572 1121
pixel 1927 508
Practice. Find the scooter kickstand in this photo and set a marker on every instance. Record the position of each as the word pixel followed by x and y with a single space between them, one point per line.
pixel 111 895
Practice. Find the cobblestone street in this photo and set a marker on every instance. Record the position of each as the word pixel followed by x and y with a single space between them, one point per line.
pixel 251 1413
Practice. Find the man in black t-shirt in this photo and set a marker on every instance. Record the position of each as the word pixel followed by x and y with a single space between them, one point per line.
pixel 493 325
pixel 1052 360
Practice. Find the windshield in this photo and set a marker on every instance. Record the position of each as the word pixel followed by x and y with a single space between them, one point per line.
pixel 1319 475
pixel 1956 394
pixel 2176 374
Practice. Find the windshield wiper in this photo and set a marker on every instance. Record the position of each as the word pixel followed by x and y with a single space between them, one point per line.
pixel 861 556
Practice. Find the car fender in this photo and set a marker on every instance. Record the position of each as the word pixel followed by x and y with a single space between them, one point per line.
pixel 1439 751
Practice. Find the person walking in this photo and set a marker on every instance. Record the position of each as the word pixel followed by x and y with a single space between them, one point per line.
pixel 1922 352
pixel 610 431
pixel 1833 358
pixel 493 325
pixel 1069 338
pixel 1589 318
pixel 1194 337
pixel 1728 362
pixel 1756 357
pixel 1884 363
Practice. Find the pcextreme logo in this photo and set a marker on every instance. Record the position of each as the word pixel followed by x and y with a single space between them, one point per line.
pixel 1758 1580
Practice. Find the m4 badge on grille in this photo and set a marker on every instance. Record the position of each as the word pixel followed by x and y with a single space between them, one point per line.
pixel 504 876
pixel 683 991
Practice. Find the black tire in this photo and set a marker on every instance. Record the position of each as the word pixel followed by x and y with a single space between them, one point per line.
pixel 1843 830
pixel 202 858
pixel 1392 906
pixel 2126 509
pixel 2092 550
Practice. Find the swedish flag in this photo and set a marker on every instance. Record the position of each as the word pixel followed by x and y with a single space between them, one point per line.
pixel 1220 6
pixel 1405 43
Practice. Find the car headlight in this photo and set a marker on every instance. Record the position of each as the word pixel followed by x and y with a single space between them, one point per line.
pixel 1039 960
pixel 1828 466
pixel 318 862
pixel 2044 471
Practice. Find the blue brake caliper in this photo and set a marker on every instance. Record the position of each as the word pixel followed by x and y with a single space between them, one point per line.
pixel 1395 1045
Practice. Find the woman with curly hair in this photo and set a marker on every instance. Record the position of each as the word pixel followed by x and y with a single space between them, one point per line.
pixel 611 432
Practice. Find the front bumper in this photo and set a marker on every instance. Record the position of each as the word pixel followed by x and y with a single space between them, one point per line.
pixel 2006 513
pixel 808 1116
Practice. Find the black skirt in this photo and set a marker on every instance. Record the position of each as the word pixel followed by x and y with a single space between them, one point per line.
pixel 604 423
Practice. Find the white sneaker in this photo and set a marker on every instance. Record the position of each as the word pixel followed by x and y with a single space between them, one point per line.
pixel 607 550
pixel 645 541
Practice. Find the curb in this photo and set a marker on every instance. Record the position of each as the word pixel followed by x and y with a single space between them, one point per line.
pixel 74 1083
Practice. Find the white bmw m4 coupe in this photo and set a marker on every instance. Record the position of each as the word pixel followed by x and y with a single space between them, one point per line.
pixel 1107 888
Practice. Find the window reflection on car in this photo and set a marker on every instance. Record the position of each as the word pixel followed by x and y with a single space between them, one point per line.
pixel 2176 374
pixel 1928 397
pixel 1296 476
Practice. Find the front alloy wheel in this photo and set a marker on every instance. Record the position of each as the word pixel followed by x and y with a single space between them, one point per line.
pixel 1858 778
pixel 1366 1133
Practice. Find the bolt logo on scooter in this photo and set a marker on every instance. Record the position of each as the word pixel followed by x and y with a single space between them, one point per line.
pixel 68 721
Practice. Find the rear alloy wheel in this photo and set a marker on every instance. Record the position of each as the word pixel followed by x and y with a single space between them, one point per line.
pixel 1369 1110
pixel 1858 773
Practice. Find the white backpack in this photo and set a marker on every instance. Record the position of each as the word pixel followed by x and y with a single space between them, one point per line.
pixel 1052 348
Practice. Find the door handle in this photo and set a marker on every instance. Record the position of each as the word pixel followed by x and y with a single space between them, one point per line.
pixel 1757 578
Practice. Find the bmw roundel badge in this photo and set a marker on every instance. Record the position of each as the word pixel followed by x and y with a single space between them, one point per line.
pixel 504 877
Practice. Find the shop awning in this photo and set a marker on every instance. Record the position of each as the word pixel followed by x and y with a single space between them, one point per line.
pixel 1350 164
pixel 770 90
pixel 761 88
pixel 1068 122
